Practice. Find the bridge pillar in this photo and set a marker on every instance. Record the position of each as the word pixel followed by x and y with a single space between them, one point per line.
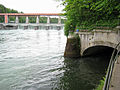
pixel 27 20
pixel 6 19
pixel 59 20
pixel 48 20
pixel 17 19
pixel 37 20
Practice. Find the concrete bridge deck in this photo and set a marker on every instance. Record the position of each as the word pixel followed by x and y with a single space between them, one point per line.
pixel 115 80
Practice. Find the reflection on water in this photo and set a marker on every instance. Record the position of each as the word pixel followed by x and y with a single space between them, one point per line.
pixel 81 74
pixel 33 60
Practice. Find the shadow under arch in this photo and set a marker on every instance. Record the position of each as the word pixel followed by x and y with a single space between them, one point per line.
pixel 98 50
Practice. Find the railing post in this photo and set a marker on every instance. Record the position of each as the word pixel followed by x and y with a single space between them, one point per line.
pixel 59 20
pixel 27 20
pixel 37 20
pixel 17 20
pixel 48 20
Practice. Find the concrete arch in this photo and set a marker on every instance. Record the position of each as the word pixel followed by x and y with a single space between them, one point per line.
pixel 98 47
pixel 97 39
pixel 109 44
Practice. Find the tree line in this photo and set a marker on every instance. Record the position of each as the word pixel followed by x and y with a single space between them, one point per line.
pixel 90 14
pixel 22 19
pixel 3 9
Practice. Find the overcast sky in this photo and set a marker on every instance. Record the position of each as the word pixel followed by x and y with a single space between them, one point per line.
pixel 33 6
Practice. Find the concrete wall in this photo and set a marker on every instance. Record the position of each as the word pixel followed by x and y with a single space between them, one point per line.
pixel 107 38
pixel 1 26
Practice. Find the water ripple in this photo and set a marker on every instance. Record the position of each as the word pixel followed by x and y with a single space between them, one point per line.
pixel 33 60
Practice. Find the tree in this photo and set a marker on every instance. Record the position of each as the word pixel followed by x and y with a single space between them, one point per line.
pixel 3 9
pixel 87 13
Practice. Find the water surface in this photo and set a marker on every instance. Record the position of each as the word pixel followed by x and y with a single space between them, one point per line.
pixel 33 60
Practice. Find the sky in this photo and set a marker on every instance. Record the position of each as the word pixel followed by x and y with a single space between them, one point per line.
pixel 34 6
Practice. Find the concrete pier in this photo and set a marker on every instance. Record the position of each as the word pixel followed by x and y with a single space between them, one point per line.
pixel 17 19
pixel 6 18
pixel 48 20
pixel 59 20
pixel 27 20
pixel 37 19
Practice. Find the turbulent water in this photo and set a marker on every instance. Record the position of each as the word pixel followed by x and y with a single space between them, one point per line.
pixel 33 60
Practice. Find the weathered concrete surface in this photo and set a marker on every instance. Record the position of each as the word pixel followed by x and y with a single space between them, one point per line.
pixel 115 80
pixel 1 26
pixel 8 27
pixel 109 38
pixel 30 26
pixel 72 49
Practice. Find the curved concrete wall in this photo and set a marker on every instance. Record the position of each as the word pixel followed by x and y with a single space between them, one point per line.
pixel 107 38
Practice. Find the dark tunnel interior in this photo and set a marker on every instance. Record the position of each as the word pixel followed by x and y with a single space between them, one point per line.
pixel 98 50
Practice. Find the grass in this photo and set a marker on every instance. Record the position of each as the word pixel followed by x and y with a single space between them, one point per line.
pixel 100 86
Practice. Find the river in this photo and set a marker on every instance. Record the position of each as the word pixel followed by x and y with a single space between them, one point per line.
pixel 33 60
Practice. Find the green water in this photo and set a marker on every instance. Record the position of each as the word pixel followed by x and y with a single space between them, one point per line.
pixel 33 60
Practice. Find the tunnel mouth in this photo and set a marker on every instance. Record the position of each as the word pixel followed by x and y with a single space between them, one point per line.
pixel 98 51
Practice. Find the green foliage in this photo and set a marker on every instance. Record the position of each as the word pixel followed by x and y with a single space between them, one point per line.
pixel 53 20
pixel 86 14
pixel 1 19
pixel 69 27
pixel 43 19
pixel 3 9
pixel 11 18
pixel 100 86
pixel 22 19
pixel 63 21
pixel 32 19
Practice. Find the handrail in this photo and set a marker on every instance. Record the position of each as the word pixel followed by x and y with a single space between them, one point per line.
pixel 111 66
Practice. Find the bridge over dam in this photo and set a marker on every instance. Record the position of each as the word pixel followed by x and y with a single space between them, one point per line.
pixel 7 24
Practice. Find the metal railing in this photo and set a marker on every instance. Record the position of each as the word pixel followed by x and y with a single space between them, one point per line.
pixel 113 59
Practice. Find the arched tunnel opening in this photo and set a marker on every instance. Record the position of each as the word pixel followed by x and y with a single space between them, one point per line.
pixel 98 50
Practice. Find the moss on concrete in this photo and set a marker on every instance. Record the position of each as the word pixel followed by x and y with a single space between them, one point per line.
pixel 72 49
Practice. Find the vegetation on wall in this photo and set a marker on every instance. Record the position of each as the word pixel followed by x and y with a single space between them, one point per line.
pixel 87 14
